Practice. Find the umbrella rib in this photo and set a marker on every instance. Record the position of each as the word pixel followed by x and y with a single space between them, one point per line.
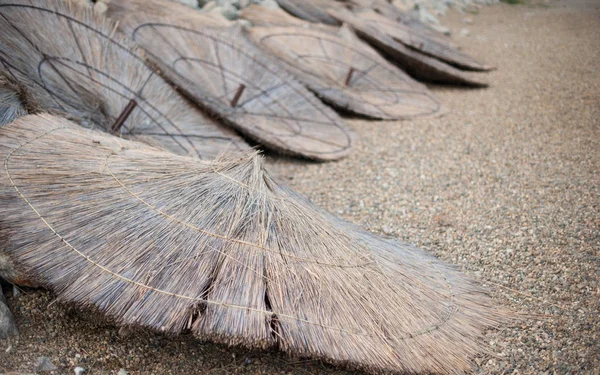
pixel 70 23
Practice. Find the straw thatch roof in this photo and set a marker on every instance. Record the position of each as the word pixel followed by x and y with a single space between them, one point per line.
pixel 414 62
pixel 221 249
pixel 11 105
pixel 74 62
pixel 433 47
pixel 221 70
pixel 346 73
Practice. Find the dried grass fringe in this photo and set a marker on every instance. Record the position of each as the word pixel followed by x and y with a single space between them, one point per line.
pixel 221 249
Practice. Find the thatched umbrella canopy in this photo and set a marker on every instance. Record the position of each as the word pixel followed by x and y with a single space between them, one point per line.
pixel 433 47
pixel 391 12
pixel 221 249
pixel 11 105
pixel 418 64
pixel 345 72
pixel 72 61
pixel 223 71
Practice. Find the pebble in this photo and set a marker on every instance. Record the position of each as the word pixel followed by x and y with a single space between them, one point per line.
pixel 100 7
pixel 227 3
pixel 8 327
pixel 230 12
pixel 209 6
pixel 189 3
pixel 244 23
pixel 271 4
pixel 464 33
pixel 441 29
pixel 123 372
pixel 79 370
pixel 44 365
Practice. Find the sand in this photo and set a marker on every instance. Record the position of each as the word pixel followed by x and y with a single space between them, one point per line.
pixel 506 186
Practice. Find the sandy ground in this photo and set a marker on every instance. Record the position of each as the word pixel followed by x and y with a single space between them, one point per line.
pixel 506 186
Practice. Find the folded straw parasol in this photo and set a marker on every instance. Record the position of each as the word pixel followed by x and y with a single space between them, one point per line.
pixel 417 64
pixel 221 70
pixel 433 47
pixel 221 249
pixel 347 73
pixel 391 12
pixel 74 62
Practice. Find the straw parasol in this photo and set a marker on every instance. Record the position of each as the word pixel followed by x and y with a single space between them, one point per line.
pixel 417 64
pixel 11 106
pixel 391 12
pixel 221 70
pixel 88 70
pixel 221 249
pixel 433 47
pixel 346 73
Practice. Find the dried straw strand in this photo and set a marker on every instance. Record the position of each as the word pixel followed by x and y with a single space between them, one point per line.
pixel 210 63
pixel 88 71
pixel 223 250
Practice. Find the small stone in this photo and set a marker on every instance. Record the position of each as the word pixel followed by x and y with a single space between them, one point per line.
pixel 209 6
pixel 244 23
pixel 230 12
pixel 427 17
pixel 464 33
pixel 8 327
pixel 441 29
pixel 100 7
pixel 271 4
pixel 123 372
pixel 79 370
pixel 227 3
pixel 189 3
pixel 468 21
pixel 16 292
pixel 44 365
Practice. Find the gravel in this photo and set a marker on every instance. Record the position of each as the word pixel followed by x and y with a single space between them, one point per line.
pixel 425 10
pixel 506 186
